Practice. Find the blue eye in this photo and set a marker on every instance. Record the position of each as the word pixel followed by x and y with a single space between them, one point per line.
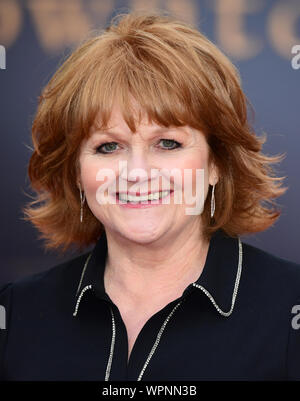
pixel 110 147
pixel 169 142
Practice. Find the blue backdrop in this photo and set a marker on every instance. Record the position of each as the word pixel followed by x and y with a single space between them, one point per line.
pixel 261 37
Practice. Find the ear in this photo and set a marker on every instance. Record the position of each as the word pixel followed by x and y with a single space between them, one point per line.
pixel 213 176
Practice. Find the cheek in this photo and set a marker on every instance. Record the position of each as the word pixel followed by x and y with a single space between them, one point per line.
pixel 88 176
pixel 191 170
pixel 93 176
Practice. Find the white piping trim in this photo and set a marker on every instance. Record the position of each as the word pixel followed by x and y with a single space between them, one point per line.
pixel 236 285
pixel 83 272
pixel 87 287
pixel 112 346
pixel 155 345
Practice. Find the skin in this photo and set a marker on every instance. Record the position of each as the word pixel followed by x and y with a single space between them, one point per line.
pixel 161 245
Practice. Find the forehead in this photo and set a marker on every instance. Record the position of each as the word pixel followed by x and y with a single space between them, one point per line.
pixel 118 117
pixel 117 124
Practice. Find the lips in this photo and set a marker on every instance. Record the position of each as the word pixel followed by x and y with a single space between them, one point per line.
pixel 145 201
pixel 143 193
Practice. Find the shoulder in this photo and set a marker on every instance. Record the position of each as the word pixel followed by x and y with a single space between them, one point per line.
pixel 31 301
pixel 279 267
pixel 271 272
pixel 271 301
pixel 64 276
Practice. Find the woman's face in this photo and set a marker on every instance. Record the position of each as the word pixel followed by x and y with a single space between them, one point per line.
pixel 155 152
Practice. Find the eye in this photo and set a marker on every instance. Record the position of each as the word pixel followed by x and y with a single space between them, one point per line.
pixel 109 146
pixel 169 142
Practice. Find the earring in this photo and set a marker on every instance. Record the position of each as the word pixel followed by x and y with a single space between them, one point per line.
pixel 212 202
pixel 82 200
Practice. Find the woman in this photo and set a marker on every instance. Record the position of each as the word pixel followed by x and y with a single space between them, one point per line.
pixel 169 292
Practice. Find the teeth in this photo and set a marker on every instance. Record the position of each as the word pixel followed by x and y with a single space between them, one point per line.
pixel 154 196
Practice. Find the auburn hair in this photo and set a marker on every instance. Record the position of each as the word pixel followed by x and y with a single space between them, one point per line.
pixel 177 77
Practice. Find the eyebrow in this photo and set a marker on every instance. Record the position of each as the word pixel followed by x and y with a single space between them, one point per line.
pixel 154 132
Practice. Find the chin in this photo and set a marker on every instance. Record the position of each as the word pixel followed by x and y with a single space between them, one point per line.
pixel 141 235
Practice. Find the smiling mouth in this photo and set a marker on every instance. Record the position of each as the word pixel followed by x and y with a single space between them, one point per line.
pixel 143 198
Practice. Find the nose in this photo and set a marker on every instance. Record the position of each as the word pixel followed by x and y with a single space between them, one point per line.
pixel 135 167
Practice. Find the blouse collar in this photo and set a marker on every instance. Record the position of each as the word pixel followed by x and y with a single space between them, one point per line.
pixel 219 279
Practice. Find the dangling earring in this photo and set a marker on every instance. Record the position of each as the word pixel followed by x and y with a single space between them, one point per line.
pixel 212 202
pixel 82 200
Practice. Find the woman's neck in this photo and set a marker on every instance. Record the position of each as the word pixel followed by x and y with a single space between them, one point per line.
pixel 162 269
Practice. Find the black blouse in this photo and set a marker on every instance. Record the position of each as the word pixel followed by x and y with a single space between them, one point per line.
pixel 238 321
